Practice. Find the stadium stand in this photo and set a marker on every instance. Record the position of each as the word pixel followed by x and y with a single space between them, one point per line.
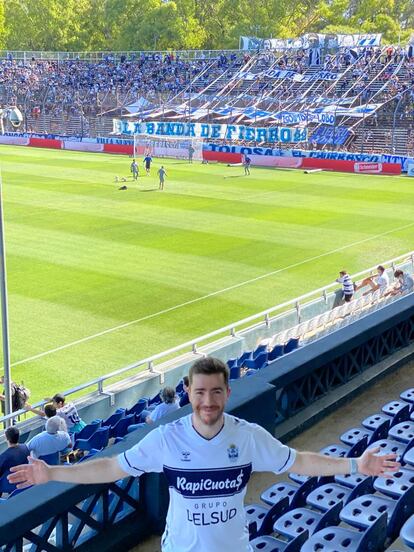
pixel 344 514
pixel 308 500
pixel 80 98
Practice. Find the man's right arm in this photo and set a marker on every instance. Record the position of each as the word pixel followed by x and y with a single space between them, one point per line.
pixel 104 470
pixel 37 411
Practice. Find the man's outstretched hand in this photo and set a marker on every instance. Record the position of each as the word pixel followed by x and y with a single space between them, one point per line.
pixel 372 464
pixel 26 475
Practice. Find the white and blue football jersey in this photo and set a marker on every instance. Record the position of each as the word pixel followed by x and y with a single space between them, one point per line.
pixel 207 479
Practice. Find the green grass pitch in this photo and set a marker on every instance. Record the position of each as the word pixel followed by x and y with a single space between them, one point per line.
pixel 99 278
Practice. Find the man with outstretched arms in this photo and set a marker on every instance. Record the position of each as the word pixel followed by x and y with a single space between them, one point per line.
pixel 207 457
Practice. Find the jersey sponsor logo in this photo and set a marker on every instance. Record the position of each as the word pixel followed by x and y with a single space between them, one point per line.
pixel 233 451
pixel 185 456
pixel 211 518
pixel 205 483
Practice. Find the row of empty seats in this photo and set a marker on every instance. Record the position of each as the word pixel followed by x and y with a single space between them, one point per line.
pixel 250 361
pixel 354 513
pixel 286 341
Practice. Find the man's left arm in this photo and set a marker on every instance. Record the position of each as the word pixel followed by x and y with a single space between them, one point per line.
pixel 314 464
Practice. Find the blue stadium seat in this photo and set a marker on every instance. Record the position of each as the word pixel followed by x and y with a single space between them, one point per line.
pixel 397 485
pixel 114 418
pixel 245 356
pixel 232 362
pixel 275 353
pixel 364 510
pixel 345 451
pixel 235 372
pixel 51 459
pixel 259 350
pixel 326 496
pixel 375 420
pixel 409 458
pixel 121 428
pixel 260 519
pixel 179 387
pixel 256 363
pixel 138 407
pixel 89 430
pixel 295 493
pixel 352 481
pixel 388 446
pixel 408 395
pixel 403 432
pixel 271 544
pixel 297 478
pixel 355 434
pixel 291 345
pixel 407 532
pixel 295 522
pixel 98 440
pixel 156 399
pixel 341 539
pixel 336 450
pixel 392 407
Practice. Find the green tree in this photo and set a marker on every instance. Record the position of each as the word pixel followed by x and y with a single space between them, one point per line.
pixel 43 24
pixel 3 30
pixel 191 24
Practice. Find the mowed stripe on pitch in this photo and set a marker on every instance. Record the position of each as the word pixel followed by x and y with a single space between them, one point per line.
pixel 86 259
pixel 207 296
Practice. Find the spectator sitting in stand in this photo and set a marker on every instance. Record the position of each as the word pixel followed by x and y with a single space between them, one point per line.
pixel 51 440
pixel 382 282
pixel 184 399
pixel 69 413
pixel 405 283
pixel 15 454
pixel 169 404
pixel 48 412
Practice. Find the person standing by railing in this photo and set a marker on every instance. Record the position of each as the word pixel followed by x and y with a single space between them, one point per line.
pixel 347 285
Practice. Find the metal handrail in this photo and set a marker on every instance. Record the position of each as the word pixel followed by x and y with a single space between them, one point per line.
pixel 102 54
pixel 192 346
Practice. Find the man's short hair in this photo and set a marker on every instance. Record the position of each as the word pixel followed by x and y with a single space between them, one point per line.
pixel 168 395
pixel 380 267
pixel 186 381
pixel 398 273
pixel 53 425
pixel 12 435
pixel 50 410
pixel 343 272
pixel 58 398
pixel 208 366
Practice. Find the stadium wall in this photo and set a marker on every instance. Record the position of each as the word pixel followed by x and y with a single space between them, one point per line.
pixel 266 157
pixel 120 515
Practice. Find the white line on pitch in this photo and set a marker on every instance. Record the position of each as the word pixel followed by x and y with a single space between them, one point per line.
pixel 207 296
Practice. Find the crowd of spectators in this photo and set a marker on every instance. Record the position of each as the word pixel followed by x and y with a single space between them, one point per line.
pixel 76 86
pixel 62 425
pixel 85 89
